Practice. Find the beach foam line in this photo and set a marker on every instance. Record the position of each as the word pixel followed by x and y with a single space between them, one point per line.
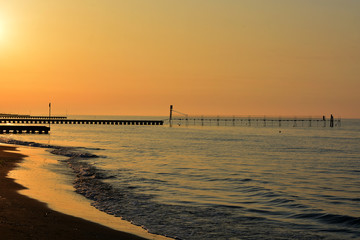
pixel 26 218
pixel 40 173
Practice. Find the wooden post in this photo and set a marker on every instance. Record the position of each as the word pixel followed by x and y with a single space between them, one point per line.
pixel 331 121
pixel 264 121
pixel 170 117
pixel 49 113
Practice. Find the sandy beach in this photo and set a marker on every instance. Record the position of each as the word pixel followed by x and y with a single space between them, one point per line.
pixel 24 218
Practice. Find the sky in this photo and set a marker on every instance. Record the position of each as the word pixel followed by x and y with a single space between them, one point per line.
pixel 205 57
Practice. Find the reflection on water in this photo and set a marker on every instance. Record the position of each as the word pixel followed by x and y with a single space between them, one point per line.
pixel 241 182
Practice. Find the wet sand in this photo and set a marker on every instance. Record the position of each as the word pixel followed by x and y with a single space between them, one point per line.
pixel 24 218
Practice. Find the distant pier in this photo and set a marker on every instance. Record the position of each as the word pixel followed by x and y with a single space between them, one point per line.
pixel 253 121
pixel 182 119
pixel 13 116
pixel 64 120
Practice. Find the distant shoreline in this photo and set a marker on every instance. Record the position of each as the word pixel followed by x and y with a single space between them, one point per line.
pixel 25 218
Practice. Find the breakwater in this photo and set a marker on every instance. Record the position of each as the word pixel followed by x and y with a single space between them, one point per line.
pixel 23 129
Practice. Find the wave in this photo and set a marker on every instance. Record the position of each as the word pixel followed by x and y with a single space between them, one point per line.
pixel 331 218
pixel 182 221
pixel 132 204
pixel 71 152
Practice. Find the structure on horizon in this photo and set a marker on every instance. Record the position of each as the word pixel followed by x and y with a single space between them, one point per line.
pixel 185 119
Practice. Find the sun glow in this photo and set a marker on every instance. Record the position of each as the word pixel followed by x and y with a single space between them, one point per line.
pixel 2 30
pixel 207 57
pixel 5 36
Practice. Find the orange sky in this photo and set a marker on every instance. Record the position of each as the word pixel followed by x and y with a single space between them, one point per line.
pixel 136 57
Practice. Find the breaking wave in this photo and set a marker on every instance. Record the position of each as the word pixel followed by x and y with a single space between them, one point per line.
pixel 71 152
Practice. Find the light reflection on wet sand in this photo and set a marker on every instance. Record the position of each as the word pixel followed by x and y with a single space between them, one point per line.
pixel 37 174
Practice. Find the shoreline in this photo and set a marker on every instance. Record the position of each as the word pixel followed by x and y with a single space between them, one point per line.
pixel 22 217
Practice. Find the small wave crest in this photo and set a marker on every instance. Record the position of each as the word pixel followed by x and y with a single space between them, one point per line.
pixel 331 218
pixel 71 152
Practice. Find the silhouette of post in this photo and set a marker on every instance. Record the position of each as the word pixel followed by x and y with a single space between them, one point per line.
pixel 264 121
pixel 170 117
pixel 49 113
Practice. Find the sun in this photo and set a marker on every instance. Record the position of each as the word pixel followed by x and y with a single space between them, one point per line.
pixel 2 28
pixel 5 33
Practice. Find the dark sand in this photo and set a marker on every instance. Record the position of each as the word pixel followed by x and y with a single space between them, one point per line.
pixel 24 218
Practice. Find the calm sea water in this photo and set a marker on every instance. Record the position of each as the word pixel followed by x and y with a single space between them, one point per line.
pixel 215 182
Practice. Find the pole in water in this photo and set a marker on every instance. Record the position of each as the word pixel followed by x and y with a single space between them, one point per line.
pixel 331 120
pixel 170 117
pixel 49 113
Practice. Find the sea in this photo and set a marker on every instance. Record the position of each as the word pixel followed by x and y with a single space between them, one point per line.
pixel 215 182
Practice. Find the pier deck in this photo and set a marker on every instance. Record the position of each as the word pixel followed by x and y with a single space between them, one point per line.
pixel 52 120
pixel 23 129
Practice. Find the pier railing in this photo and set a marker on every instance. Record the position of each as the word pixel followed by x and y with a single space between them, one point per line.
pixel 180 118
pixel 253 121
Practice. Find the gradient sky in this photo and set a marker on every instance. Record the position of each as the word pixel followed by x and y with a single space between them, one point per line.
pixel 218 57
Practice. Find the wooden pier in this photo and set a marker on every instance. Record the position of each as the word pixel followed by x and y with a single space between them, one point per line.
pixel 60 120
pixel 252 121
pixel 9 116
pixel 260 121
pixel 14 129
